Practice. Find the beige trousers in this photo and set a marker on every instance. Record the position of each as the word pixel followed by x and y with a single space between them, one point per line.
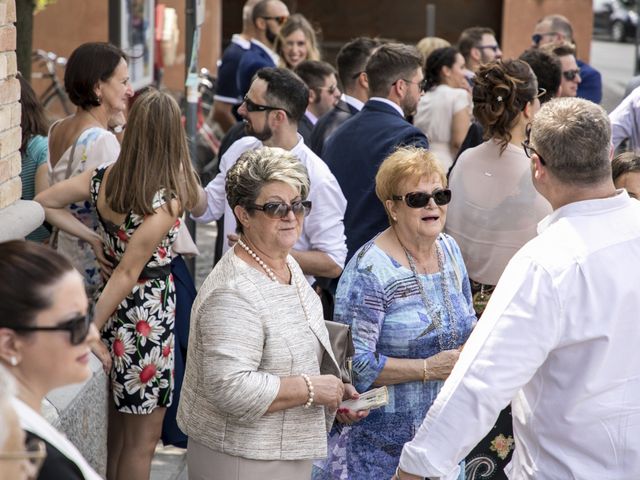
pixel 206 464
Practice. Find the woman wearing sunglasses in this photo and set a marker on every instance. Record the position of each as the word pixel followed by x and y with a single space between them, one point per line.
pixel 406 295
pixel 496 209
pixel 45 337
pixel 139 200
pixel 261 379
pixel 444 111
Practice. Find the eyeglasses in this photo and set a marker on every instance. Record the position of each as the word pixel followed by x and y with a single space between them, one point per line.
pixel 78 327
pixel 536 38
pixel 281 210
pixel 331 89
pixel 256 107
pixel 495 48
pixel 571 74
pixel 35 452
pixel 421 199
pixel 279 20
pixel 422 84
pixel 541 92
pixel 526 145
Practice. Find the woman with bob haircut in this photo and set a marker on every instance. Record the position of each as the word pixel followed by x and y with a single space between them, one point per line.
pixel 96 79
pixel 296 42
pixel 139 200
pixel 46 332
pixel 406 296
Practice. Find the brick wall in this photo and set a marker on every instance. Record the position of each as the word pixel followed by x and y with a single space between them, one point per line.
pixel 10 133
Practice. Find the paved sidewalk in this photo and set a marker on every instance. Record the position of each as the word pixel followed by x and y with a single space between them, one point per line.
pixel 170 463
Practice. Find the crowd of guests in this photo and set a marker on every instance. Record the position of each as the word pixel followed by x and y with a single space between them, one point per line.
pixel 469 227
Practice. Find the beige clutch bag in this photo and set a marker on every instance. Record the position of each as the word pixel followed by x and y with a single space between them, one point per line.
pixel 342 346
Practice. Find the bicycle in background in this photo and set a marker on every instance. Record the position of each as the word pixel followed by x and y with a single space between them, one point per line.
pixel 54 97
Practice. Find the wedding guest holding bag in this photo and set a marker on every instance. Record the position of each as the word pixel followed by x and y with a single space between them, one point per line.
pixel 262 384
pixel 407 298
pixel 139 216
pixel 46 331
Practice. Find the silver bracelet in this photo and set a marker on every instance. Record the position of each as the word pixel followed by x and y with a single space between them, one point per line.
pixel 307 380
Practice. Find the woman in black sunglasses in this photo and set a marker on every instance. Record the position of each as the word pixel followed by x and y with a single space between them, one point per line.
pixel 46 334
pixel 496 209
pixel 406 295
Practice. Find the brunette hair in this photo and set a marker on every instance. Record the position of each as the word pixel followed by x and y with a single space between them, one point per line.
pixel 296 22
pixel 154 158
pixel 471 38
pixel 388 63
pixel 547 69
pixel 626 162
pixel 352 59
pixel 88 64
pixel 285 90
pixel 33 120
pixel 501 91
pixel 27 270
pixel 436 61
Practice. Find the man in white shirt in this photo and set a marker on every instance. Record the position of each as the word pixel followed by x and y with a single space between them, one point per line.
pixel 560 336
pixel 272 108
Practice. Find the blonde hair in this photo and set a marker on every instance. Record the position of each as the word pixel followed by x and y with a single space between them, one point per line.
pixel 154 157
pixel 403 164
pixel 255 168
pixel 294 23
pixel 429 44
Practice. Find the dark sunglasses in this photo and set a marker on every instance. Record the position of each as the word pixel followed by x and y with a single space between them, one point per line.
pixel 536 38
pixel 421 199
pixel 571 74
pixel 256 107
pixel 422 85
pixel 279 20
pixel 495 48
pixel 281 210
pixel 331 89
pixel 78 327
pixel 528 149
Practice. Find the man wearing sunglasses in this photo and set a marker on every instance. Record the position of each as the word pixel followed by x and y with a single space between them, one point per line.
pixel 570 79
pixel 357 148
pixel 324 93
pixel 478 45
pixel 556 29
pixel 559 338
pixel 268 17
pixel 271 110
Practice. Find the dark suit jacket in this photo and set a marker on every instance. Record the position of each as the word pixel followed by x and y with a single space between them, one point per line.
pixel 305 127
pixel 328 123
pixel 253 60
pixel 354 152
pixel 591 86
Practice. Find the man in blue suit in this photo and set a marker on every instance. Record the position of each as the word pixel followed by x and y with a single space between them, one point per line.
pixel 268 17
pixel 357 148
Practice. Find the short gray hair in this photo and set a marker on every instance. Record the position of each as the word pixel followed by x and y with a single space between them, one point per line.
pixel 573 136
pixel 7 391
pixel 255 168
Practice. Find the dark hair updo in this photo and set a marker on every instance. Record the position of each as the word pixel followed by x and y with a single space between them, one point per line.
pixel 501 91
pixel 439 58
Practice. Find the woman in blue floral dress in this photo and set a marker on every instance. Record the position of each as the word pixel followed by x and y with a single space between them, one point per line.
pixel 138 201
pixel 407 297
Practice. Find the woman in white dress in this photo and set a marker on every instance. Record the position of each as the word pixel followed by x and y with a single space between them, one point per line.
pixel 96 79
pixel 444 111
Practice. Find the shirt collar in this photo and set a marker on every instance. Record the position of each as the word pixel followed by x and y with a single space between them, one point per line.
pixel 274 56
pixel 389 102
pixel 353 101
pixel 312 118
pixel 586 207
pixel 240 41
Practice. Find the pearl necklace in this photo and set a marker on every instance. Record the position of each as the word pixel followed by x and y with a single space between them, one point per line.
pixel 255 256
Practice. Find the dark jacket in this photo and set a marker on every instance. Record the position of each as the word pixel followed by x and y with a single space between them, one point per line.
pixel 328 123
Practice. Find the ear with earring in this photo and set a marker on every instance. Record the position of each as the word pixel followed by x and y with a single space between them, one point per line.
pixel 13 361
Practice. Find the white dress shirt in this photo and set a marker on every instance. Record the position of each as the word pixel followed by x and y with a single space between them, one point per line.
pixel 560 339
pixel 625 121
pixel 353 101
pixel 323 228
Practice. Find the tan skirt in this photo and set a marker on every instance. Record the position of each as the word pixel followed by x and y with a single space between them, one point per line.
pixel 206 464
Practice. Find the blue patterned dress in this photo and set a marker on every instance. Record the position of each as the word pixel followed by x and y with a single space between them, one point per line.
pixel 381 301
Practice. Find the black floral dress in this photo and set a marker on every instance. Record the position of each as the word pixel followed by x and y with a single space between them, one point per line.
pixel 140 333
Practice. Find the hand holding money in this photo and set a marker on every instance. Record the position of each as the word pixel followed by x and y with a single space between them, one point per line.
pixel 376 398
